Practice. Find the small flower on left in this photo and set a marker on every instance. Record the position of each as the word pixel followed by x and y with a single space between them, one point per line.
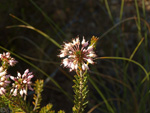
pixel 6 60
pixel 3 81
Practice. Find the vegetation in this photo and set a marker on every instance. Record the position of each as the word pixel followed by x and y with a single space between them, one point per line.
pixel 33 32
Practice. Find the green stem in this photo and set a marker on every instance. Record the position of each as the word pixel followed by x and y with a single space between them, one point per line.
pixel 80 90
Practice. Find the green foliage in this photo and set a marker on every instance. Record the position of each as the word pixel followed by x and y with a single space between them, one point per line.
pixel 15 104
pixel 81 91
pixel 3 101
pixel 47 109
pixel 38 87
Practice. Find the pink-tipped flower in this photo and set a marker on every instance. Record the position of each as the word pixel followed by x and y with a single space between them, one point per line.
pixel 77 55
pixel 3 81
pixel 22 83
pixel 7 60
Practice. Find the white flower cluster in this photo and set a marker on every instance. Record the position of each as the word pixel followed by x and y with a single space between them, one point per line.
pixel 77 55
pixel 3 80
pixel 7 59
pixel 22 83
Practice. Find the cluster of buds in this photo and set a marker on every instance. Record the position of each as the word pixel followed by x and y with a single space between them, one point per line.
pixel 22 83
pixel 7 60
pixel 77 55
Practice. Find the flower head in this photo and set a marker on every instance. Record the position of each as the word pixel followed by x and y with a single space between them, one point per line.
pixel 3 81
pixel 22 82
pixel 77 54
pixel 7 60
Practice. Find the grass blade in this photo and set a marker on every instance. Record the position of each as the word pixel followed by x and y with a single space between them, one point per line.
pixel 125 20
pixel 49 20
pixel 127 59
pixel 101 94
pixel 144 14
pixel 138 20
pixel 33 28
pixel 39 31
pixel 31 42
pixel 136 48
pixel 108 9
pixel 121 10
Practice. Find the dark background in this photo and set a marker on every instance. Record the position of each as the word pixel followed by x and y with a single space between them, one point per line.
pixel 64 20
